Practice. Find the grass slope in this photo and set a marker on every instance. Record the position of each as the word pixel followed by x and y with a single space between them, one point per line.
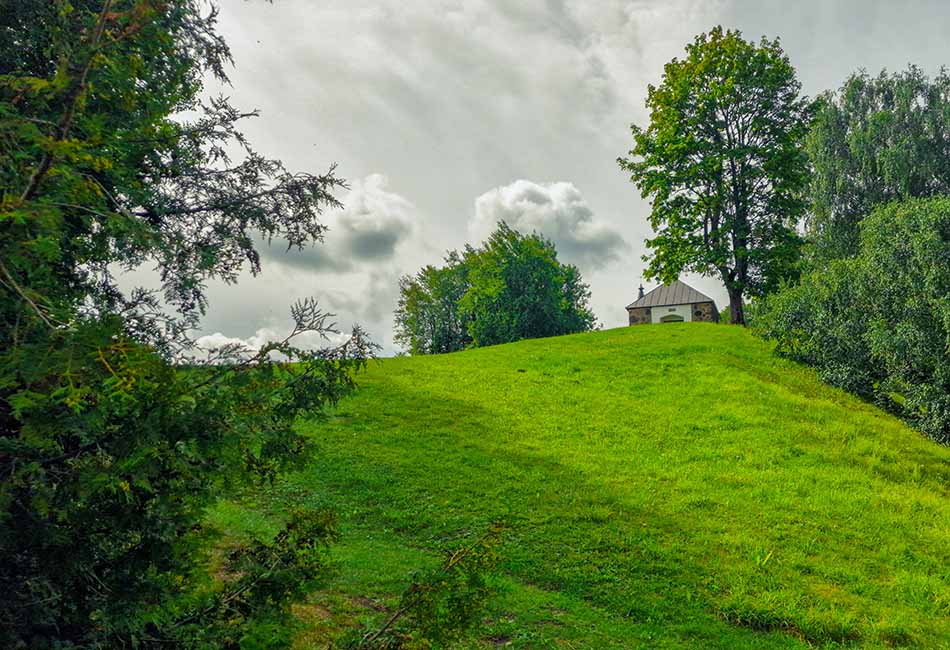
pixel 664 487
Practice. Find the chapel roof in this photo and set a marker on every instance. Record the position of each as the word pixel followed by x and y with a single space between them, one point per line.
pixel 674 293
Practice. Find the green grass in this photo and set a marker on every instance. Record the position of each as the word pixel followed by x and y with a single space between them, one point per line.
pixel 673 486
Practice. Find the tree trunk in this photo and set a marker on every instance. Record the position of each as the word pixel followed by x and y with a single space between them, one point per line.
pixel 736 311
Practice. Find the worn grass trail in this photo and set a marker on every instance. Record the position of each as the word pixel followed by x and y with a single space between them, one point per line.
pixel 673 486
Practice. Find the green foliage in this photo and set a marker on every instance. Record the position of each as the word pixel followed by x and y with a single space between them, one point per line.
pixel 513 287
pixel 519 290
pixel 246 606
pixel 875 140
pixel 724 166
pixel 110 456
pixel 92 156
pixel 114 435
pixel 878 324
pixel 814 322
pixel 428 317
pixel 670 487
pixel 441 604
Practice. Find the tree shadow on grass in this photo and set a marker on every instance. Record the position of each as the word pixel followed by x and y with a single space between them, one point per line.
pixel 428 473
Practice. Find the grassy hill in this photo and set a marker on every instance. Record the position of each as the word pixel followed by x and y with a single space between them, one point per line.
pixel 663 487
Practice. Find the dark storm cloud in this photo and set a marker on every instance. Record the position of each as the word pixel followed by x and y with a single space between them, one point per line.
pixel 315 257
pixel 374 222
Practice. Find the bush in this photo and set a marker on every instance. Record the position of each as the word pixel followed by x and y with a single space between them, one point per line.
pixel 906 254
pixel 117 455
pixel 439 605
pixel 878 324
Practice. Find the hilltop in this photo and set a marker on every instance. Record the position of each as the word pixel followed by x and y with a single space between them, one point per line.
pixel 670 486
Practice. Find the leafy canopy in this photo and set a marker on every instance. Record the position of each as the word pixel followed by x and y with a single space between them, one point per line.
pixel 875 140
pixel 723 164
pixel 513 287
pixel 878 323
pixel 428 317
pixel 519 290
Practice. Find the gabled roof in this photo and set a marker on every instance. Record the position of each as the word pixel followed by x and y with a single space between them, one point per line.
pixel 675 293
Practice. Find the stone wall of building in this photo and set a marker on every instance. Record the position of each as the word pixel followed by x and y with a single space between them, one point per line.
pixel 639 316
pixel 705 312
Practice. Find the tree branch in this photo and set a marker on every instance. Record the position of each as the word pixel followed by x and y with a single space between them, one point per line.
pixel 16 288
pixel 72 99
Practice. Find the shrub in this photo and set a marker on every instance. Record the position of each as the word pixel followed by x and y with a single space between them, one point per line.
pixel 905 249
pixel 878 324
pixel 110 457
pixel 439 605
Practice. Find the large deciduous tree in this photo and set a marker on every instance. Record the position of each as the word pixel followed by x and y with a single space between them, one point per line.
pixel 724 166
pixel 875 140
pixel 520 290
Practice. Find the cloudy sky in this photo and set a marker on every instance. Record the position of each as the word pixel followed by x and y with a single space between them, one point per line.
pixel 446 116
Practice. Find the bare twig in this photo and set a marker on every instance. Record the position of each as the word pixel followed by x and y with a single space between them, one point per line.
pixel 453 561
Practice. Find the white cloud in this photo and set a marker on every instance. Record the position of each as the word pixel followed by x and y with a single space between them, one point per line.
pixel 367 230
pixel 556 210
pixel 265 335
